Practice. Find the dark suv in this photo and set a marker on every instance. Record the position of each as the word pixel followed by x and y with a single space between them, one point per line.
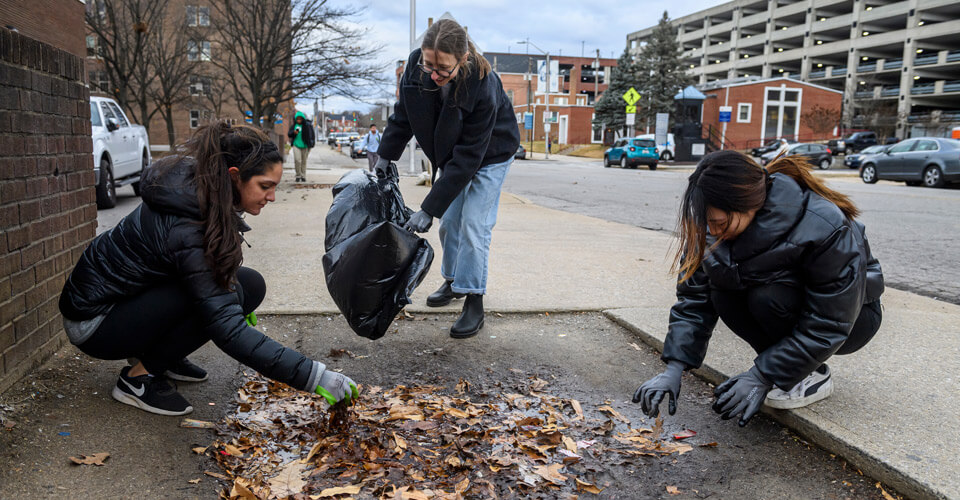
pixel 856 142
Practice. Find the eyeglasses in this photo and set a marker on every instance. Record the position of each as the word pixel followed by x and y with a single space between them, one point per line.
pixel 442 73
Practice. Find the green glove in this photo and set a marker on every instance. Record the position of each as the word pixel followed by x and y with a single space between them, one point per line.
pixel 335 387
pixel 251 319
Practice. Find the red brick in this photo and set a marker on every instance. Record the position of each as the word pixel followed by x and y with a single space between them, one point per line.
pixel 9 263
pixel 31 255
pixel 22 281
pixel 18 238
pixel 5 289
pixel 9 216
pixel 11 309
pixel 50 205
pixel 36 187
pixel 35 297
pixel 7 337
pixel 12 145
pixel 29 211
pixel 45 269
pixel 22 350
pixel 52 246
pixel 12 191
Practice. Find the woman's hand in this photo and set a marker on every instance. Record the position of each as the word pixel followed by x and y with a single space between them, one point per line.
pixel 652 392
pixel 419 222
pixel 336 387
pixel 742 394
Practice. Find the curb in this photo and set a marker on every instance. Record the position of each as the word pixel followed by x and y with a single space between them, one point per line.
pixel 819 431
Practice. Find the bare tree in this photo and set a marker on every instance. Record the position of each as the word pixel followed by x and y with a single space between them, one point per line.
pixel 820 119
pixel 122 28
pixel 878 115
pixel 166 53
pixel 272 51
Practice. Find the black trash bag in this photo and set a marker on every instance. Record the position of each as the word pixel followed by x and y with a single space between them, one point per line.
pixel 372 264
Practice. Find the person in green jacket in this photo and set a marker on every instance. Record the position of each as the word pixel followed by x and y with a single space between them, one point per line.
pixel 303 139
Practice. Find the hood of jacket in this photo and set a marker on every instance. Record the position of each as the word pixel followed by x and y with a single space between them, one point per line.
pixel 300 115
pixel 169 186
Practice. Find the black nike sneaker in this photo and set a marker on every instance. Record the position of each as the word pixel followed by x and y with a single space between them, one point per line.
pixel 149 393
pixel 185 371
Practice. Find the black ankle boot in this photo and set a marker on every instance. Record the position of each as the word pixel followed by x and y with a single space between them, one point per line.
pixel 443 296
pixel 471 319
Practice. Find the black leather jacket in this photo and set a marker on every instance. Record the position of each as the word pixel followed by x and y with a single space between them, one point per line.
pixel 162 241
pixel 797 239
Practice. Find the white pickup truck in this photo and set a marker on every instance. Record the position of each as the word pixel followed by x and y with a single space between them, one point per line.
pixel 121 150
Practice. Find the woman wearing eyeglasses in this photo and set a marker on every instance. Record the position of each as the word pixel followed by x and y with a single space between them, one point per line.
pixel 454 104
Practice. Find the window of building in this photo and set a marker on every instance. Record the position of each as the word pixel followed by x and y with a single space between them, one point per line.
pixel 550 117
pixel 198 50
pixel 510 96
pixel 773 95
pixel 561 101
pixel 781 113
pixel 198 16
pixel 99 81
pixel 199 85
pixel 519 117
pixel 744 110
pixel 581 101
pixel 194 118
pixel 93 46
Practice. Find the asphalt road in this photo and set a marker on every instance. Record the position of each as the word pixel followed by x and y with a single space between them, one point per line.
pixel 913 231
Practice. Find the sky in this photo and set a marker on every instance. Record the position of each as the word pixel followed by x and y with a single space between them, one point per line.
pixel 564 27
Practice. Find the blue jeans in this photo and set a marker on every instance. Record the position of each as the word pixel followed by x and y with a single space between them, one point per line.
pixel 466 228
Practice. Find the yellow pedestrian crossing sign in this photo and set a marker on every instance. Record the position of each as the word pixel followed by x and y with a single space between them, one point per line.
pixel 631 96
pixel 631 109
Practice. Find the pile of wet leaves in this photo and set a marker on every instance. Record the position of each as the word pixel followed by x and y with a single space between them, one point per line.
pixel 424 442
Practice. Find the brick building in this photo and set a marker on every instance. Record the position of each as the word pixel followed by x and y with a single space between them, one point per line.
pixel 763 110
pixel 209 98
pixel 47 209
pixel 571 108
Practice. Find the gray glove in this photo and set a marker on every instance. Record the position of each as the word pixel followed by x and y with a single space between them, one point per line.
pixel 335 387
pixel 742 394
pixel 651 392
pixel 419 222
pixel 382 168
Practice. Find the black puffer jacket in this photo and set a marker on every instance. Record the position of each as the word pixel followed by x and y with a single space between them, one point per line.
pixel 162 241
pixel 797 239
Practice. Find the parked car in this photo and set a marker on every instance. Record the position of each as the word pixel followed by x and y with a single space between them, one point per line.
pixel 340 138
pixel 356 150
pixel 521 153
pixel 930 161
pixel 853 160
pixel 121 150
pixel 817 154
pixel 856 142
pixel 629 153
pixel 666 150
pixel 773 145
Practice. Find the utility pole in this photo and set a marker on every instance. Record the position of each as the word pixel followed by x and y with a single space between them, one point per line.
pixel 530 110
pixel 547 125
pixel 413 38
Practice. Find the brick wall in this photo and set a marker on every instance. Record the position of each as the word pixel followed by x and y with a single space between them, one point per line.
pixel 47 210
pixel 56 22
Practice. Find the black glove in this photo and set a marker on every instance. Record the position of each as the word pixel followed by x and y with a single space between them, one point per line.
pixel 383 170
pixel 651 392
pixel 742 394
pixel 419 222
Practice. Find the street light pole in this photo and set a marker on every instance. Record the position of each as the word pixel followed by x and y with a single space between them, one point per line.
pixel 546 124
pixel 413 38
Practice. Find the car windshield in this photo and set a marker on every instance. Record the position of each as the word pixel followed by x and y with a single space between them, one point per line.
pixel 872 150
pixel 95 115
pixel 644 143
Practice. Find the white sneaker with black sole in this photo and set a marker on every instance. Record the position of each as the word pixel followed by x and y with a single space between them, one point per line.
pixel 149 393
pixel 818 385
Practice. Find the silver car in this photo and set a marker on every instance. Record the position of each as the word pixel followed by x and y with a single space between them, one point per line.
pixel 930 161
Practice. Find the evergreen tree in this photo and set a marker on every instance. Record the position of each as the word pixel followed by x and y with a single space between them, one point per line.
pixel 610 109
pixel 660 72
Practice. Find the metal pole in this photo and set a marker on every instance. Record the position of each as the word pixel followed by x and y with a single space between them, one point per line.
pixel 323 116
pixel 529 109
pixel 547 135
pixel 413 38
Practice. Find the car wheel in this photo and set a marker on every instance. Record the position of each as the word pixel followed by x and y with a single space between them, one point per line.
pixel 869 174
pixel 666 156
pixel 623 161
pixel 933 177
pixel 107 189
pixel 653 166
pixel 825 164
pixel 606 161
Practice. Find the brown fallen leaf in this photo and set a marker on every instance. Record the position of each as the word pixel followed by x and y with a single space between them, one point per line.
pixel 401 443
pixel 194 481
pixel 289 481
pixel 635 346
pixel 569 444
pixel 241 490
pixel 232 450
pixel 216 475
pixel 197 424
pixel 710 445
pixel 462 486
pixel 199 450
pixel 657 428
pixel 342 490
pixel 551 473
pixel 673 490
pixel 577 408
pixel 614 413
pixel 883 492
pixel 95 459
pixel 463 386
pixel 587 487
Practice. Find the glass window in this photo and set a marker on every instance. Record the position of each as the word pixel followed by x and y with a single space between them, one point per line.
pixel 927 146
pixel 107 112
pixel 193 51
pixel 799 150
pixel 743 112
pixel 789 121
pixel 203 16
pixel 773 95
pixel 93 50
pixel 791 95
pixel 204 51
pixel 191 15
pixel 194 118
pixel 903 147
pixel 510 96
pixel 773 119
pixel 644 143
pixel 120 117
pixel 95 115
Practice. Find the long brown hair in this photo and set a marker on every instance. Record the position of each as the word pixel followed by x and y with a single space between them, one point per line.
pixel 446 35
pixel 733 182
pixel 215 148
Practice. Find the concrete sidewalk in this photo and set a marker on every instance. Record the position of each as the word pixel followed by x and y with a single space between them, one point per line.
pixel 894 412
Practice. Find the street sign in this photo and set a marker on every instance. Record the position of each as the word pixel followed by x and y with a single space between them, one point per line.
pixel 660 132
pixel 631 110
pixel 546 127
pixel 528 121
pixel 631 96
pixel 631 118
pixel 725 112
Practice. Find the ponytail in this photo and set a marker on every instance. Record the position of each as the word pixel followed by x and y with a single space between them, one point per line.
pixel 215 148
pixel 799 169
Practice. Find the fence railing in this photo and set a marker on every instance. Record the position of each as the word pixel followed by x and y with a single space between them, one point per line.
pixel 953 56
pixel 818 74
pixel 889 91
pixel 892 63
pixel 923 88
pixel 925 60
pixel 866 68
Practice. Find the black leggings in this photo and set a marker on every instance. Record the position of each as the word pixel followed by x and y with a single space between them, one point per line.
pixel 764 315
pixel 161 326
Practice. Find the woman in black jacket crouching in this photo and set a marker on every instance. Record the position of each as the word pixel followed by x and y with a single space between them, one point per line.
pixel 167 278
pixel 780 258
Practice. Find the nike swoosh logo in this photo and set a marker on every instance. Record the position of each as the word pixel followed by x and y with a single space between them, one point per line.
pixel 138 391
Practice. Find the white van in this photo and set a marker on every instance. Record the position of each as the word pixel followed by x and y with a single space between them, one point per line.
pixel 668 150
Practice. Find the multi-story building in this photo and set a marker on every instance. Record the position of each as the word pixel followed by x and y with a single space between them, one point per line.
pixel 903 56
pixel 581 80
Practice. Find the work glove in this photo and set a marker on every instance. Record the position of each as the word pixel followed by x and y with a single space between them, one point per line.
pixel 652 392
pixel 383 170
pixel 742 395
pixel 419 222
pixel 335 387
pixel 251 319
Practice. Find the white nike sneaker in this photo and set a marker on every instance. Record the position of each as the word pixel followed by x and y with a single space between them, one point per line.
pixel 818 385
pixel 153 394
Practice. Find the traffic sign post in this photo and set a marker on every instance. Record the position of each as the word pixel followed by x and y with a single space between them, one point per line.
pixel 725 112
pixel 631 110
pixel 631 96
